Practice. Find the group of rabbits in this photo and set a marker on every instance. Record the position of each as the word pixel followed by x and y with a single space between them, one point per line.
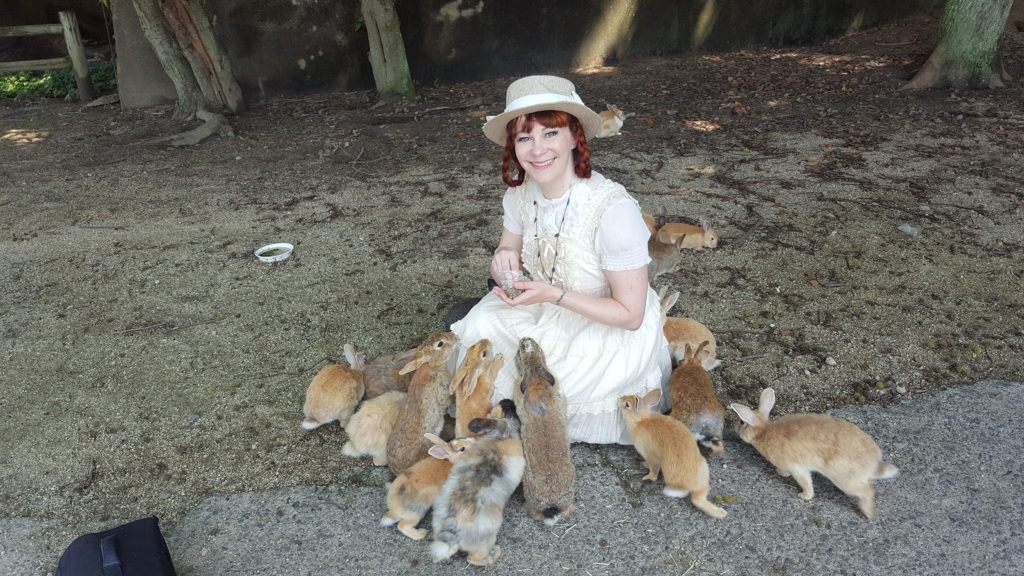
pixel 468 478
pixel 466 467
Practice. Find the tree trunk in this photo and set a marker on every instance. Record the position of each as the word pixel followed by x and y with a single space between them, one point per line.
pixel 387 50
pixel 190 24
pixel 968 48
pixel 168 52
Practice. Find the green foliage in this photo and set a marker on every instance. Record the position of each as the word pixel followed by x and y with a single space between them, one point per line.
pixel 55 83
pixel 360 23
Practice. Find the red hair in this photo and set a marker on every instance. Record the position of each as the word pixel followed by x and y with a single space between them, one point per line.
pixel 548 119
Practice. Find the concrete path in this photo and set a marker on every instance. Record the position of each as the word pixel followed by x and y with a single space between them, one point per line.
pixel 957 507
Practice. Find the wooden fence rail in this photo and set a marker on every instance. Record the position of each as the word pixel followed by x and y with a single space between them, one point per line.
pixel 74 60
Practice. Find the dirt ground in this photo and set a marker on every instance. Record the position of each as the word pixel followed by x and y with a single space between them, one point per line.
pixel 149 359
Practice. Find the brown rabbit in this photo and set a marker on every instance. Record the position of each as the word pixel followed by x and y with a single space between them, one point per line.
pixel 334 392
pixel 694 403
pixel 682 331
pixel 694 237
pixel 799 444
pixel 381 375
pixel 370 426
pixel 667 446
pixel 665 258
pixel 473 385
pixel 652 223
pixel 549 482
pixel 611 122
pixel 413 491
pixel 426 404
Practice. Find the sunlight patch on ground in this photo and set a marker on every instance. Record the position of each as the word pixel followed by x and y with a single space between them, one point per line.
pixel 22 137
pixel 702 125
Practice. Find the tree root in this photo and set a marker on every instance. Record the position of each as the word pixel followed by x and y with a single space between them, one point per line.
pixel 213 123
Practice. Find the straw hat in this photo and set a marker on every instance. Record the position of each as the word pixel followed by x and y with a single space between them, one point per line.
pixel 536 93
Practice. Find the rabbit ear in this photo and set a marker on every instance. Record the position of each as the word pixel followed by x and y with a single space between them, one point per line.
pixel 351 356
pixel 440 452
pixel 701 348
pixel 460 376
pixel 421 358
pixel 435 439
pixel 705 225
pixel 745 414
pixel 652 398
pixel 669 302
pixel 767 401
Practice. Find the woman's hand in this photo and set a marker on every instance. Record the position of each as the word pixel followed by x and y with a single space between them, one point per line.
pixel 532 292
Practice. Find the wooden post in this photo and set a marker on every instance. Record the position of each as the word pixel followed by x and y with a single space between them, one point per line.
pixel 73 39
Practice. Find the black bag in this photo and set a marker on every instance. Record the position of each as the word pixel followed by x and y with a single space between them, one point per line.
pixel 133 549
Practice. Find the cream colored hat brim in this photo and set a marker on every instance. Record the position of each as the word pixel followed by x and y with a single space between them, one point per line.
pixel 495 128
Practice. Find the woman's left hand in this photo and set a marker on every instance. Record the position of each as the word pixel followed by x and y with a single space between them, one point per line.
pixel 533 292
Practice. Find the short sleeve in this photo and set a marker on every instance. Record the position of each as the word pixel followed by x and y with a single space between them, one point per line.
pixel 622 237
pixel 512 220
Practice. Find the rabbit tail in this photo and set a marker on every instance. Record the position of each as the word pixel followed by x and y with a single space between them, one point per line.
pixel 886 470
pixel 552 514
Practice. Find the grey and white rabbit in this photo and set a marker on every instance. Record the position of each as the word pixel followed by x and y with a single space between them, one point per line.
pixel 413 492
pixel 468 510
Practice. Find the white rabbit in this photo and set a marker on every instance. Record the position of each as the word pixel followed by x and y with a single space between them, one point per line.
pixel 369 428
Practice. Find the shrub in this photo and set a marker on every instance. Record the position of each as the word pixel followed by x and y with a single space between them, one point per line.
pixel 55 83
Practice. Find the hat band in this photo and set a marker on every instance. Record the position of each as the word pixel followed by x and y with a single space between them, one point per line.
pixel 535 99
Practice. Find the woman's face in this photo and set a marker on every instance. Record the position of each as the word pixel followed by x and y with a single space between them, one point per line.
pixel 546 154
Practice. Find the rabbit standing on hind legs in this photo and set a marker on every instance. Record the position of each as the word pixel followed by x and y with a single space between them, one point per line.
pixel 468 510
pixel 799 444
pixel 426 402
pixel 473 385
pixel 413 491
pixel 549 482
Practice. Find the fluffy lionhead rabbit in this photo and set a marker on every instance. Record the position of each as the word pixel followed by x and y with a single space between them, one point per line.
pixel 381 374
pixel 473 385
pixel 425 404
pixel 694 403
pixel 334 392
pixel 413 491
pixel 468 510
pixel 370 426
pixel 694 237
pixel 611 122
pixel 681 332
pixel 549 482
pixel 667 446
pixel 799 444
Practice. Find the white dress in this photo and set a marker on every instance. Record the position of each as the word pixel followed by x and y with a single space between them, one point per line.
pixel 595 226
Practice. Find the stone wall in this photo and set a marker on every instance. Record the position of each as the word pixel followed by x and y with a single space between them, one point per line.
pixel 296 46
